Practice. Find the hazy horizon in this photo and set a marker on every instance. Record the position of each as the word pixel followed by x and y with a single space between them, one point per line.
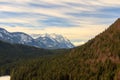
pixel 78 20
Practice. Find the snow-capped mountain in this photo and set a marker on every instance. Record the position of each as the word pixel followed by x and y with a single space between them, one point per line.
pixel 5 35
pixel 53 41
pixel 16 37
pixel 23 38
pixel 47 41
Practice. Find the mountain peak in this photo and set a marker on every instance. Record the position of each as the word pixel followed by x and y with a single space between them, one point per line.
pixel 52 35
pixel 2 29
pixel 116 24
pixel 117 21
pixel 52 41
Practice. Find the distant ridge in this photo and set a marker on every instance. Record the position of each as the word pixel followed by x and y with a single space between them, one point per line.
pixel 47 42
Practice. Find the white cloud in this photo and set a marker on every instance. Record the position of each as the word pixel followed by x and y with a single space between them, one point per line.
pixel 72 33
pixel 86 26
pixel 79 43
pixel 110 2
pixel 14 20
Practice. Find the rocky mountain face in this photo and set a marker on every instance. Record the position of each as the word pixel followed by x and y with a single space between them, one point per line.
pixel 47 41
pixel 53 41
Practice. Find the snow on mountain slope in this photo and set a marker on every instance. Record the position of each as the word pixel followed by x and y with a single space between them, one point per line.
pixel 54 41
pixel 16 37
pixel 5 35
pixel 22 38
pixel 48 41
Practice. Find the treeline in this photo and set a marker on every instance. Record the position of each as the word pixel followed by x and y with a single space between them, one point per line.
pixel 98 59
pixel 65 68
pixel 12 55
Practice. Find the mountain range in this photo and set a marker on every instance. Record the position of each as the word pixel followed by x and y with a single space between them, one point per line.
pixel 47 41
pixel 13 54
pixel 98 59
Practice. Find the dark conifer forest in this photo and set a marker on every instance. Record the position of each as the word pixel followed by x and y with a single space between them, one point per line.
pixel 98 59
pixel 12 55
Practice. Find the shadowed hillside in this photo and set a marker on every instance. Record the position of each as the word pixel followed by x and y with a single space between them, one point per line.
pixel 98 59
pixel 13 54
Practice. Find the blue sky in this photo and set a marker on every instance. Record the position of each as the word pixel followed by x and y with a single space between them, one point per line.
pixel 78 20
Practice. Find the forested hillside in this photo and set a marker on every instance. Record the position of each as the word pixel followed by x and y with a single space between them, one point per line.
pixel 13 54
pixel 98 59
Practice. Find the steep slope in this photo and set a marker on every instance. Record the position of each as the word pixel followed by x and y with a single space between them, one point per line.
pixel 47 42
pixel 53 41
pixel 5 35
pixel 22 38
pixel 98 59
pixel 16 37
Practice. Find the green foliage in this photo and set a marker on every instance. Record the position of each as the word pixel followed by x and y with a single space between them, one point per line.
pixel 98 59
pixel 12 55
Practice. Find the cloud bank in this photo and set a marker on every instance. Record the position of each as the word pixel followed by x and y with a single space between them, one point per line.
pixel 78 20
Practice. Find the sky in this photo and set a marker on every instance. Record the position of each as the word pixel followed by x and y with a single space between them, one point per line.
pixel 77 20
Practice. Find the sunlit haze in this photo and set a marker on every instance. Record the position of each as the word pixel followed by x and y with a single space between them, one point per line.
pixel 78 20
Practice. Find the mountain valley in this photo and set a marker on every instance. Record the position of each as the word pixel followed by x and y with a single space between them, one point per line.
pixel 98 59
